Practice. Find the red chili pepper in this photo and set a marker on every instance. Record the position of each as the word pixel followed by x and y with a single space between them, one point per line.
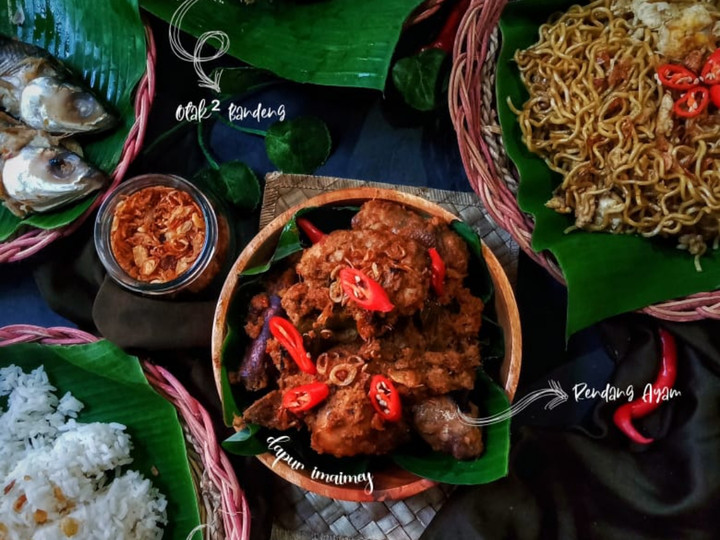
pixel 437 268
pixel 676 77
pixel 715 94
pixel 692 102
pixel 288 336
pixel 640 407
pixel 305 397
pixel 710 73
pixel 446 38
pixel 385 398
pixel 313 233
pixel 364 291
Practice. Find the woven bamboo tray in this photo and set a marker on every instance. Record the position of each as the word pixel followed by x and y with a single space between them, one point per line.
pixel 491 174
pixel 31 241
pixel 224 512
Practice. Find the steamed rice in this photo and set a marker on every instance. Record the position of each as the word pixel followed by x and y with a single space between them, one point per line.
pixel 62 479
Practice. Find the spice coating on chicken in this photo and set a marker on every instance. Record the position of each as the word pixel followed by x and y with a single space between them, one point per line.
pixel 347 425
pixel 437 422
pixel 426 345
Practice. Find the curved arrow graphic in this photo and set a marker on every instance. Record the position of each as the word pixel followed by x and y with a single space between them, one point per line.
pixel 196 57
pixel 555 391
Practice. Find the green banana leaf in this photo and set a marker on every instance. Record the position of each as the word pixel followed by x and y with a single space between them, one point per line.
pixel 329 42
pixel 416 457
pixel 113 388
pixel 606 274
pixel 103 43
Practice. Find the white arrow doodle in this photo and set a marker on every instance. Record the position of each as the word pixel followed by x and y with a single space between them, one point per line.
pixel 196 58
pixel 555 391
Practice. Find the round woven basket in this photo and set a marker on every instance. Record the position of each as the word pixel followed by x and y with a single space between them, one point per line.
pixel 34 240
pixel 224 512
pixel 491 174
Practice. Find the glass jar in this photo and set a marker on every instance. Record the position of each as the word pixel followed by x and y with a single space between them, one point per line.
pixel 158 234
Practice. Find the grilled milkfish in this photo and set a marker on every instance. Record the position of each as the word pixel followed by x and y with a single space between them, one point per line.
pixel 39 172
pixel 37 89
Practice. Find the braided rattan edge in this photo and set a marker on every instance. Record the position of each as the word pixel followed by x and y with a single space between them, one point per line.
pixel 223 505
pixel 471 100
pixel 34 240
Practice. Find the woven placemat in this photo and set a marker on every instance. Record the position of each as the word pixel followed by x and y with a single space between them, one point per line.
pixel 300 514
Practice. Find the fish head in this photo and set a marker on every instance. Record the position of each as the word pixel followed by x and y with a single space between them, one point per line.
pixel 53 104
pixel 38 179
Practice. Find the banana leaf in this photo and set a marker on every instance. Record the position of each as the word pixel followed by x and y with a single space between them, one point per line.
pixel 103 43
pixel 328 42
pixel 415 457
pixel 606 274
pixel 113 388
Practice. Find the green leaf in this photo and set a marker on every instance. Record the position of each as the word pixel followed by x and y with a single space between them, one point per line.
pixel 482 284
pixel 112 387
pixel 490 395
pixel 61 217
pixel 298 146
pixel 490 466
pixel 103 43
pixel 9 223
pixel 234 181
pixel 419 78
pixel 606 274
pixel 241 80
pixel 332 42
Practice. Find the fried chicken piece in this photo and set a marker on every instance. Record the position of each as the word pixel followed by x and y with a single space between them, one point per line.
pixel 378 215
pixel 269 412
pixel 436 421
pixel 401 267
pixel 347 425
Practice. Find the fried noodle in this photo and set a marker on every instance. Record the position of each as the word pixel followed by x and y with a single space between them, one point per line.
pixel 600 118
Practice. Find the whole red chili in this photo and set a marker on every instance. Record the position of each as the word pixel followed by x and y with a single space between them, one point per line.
pixel 692 102
pixel 288 336
pixel 311 231
pixel 437 268
pixel 676 77
pixel 446 38
pixel 385 398
pixel 710 73
pixel 663 383
pixel 365 291
pixel 305 397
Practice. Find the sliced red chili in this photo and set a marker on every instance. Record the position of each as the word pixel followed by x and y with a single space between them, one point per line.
pixel 288 336
pixel 365 291
pixel 437 268
pixel 715 95
pixel 692 102
pixel 676 77
pixel 664 381
pixel 311 231
pixel 446 38
pixel 385 398
pixel 305 397
pixel 710 73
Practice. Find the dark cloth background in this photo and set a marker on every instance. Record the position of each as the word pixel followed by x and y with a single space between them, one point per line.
pixel 572 474
pixel 586 480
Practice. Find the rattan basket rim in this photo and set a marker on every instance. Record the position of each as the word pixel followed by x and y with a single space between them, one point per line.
pixel 215 478
pixel 32 241
pixel 471 100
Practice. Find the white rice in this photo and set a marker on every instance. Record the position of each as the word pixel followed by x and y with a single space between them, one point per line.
pixel 62 479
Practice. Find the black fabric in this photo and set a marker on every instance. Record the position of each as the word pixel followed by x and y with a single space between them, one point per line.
pixel 129 320
pixel 589 481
